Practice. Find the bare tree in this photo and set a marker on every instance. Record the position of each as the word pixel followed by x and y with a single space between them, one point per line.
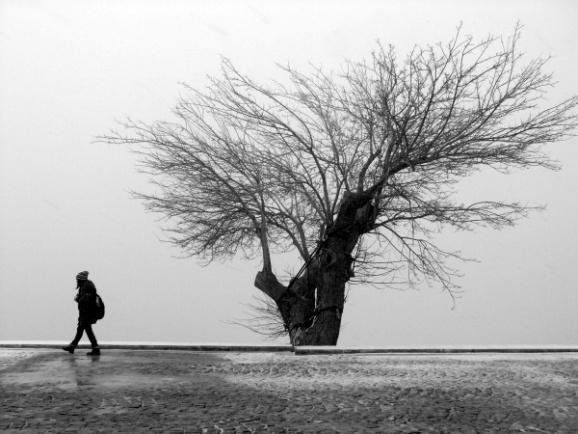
pixel 351 170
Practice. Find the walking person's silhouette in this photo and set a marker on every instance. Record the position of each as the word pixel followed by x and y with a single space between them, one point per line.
pixel 86 299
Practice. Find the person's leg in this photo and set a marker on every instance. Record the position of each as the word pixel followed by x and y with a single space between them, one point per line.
pixel 79 331
pixel 91 335
pixel 95 349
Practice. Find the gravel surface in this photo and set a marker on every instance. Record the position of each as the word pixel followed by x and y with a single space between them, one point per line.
pixel 172 391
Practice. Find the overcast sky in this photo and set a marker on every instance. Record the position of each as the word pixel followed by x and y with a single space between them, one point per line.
pixel 70 69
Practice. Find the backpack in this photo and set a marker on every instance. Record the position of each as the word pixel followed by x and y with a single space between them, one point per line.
pixel 99 311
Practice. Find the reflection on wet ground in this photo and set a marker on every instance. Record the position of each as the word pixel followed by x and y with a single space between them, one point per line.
pixel 134 391
pixel 47 372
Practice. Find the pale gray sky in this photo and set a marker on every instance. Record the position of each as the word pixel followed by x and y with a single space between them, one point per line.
pixel 68 69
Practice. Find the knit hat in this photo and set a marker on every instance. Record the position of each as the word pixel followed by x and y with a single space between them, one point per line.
pixel 83 275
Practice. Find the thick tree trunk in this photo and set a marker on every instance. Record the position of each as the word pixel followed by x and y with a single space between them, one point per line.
pixel 333 274
pixel 312 305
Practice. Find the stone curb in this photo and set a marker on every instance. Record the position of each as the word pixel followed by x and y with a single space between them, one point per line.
pixel 304 350
pixel 160 347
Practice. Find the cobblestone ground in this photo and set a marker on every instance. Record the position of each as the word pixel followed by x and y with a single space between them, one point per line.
pixel 140 391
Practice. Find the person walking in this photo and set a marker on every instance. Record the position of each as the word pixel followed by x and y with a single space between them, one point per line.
pixel 86 299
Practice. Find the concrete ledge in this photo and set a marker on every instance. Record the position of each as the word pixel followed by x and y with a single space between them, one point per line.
pixel 310 350
pixel 302 350
pixel 156 346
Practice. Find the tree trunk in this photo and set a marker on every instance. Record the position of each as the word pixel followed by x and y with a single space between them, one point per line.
pixel 332 275
pixel 312 305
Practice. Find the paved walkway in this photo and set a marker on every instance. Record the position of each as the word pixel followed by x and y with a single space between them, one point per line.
pixel 155 391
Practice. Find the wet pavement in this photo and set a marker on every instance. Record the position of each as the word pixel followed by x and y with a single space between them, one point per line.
pixel 180 391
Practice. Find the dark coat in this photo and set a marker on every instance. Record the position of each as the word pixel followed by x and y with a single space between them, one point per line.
pixel 86 299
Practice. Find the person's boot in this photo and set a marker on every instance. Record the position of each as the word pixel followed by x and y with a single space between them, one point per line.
pixel 95 352
pixel 70 348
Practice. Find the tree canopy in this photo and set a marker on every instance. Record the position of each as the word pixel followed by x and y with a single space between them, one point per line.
pixel 374 150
